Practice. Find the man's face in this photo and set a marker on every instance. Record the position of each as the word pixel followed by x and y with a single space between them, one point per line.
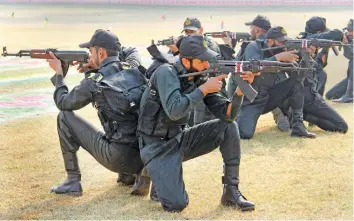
pixel 193 32
pixel 200 65
pixel 195 65
pixel 94 61
pixel 253 32
pixel 274 43
pixel 350 33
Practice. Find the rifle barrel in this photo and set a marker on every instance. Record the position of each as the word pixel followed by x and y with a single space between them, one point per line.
pixel 274 48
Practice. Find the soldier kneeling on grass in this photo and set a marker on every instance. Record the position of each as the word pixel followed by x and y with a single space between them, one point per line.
pixel 115 91
pixel 164 140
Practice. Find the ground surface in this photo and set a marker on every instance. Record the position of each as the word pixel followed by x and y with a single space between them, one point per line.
pixel 287 178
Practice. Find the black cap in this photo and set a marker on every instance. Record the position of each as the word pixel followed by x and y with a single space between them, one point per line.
pixel 260 21
pixel 277 33
pixel 350 25
pixel 104 39
pixel 196 47
pixel 315 24
pixel 191 24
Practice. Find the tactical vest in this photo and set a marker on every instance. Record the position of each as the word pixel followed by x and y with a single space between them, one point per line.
pixel 153 121
pixel 241 53
pixel 159 58
pixel 117 98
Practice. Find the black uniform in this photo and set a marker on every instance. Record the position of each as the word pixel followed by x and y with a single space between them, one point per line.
pixel 131 56
pixel 316 110
pixel 321 75
pixel 165 143
pixel 343 91
pixel 272 92
pixel 117 147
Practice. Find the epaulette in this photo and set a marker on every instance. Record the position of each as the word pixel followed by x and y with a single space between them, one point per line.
pixel 95 76
pixel 124 65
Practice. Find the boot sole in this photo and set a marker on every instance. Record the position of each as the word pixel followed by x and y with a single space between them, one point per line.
pixel 139 192
pixel 303 136
pixel 69 193
pixel 242 209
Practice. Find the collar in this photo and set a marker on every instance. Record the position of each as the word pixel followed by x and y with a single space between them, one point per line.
pixel 262 37
pixel 108 61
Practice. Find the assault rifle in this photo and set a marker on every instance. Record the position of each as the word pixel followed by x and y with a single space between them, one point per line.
pixel 235 36
pixel 66 57
pixel 237 67
pixel 168 41
pixel 306 43
pixel 302 35
pixel 302 44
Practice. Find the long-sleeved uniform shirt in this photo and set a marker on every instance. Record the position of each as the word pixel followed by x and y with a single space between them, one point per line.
pixel 131 56
pixel 348 53
pixel 176 104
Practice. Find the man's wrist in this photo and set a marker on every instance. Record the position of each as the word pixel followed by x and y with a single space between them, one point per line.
pixel 204 91
pixel 276 57
pixel 60 72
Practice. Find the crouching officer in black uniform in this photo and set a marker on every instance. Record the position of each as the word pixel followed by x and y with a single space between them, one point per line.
pixel 115 91
pixel 164 140
pixel 342 92
pixel 271 93
pixel 131 56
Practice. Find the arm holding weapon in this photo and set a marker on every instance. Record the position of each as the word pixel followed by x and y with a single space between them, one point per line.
pixel 302 45
pixel 234 36
pixel 237 68
pixel 66 57
pixel 306 43
pixel 168 41
pixel 334 35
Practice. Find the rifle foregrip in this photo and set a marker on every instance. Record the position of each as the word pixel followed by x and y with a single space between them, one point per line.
pixel 335 51
pixel 246 88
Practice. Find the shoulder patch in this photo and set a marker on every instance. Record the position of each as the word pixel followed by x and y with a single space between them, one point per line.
pixel 90 75
pixel 204 44
pixel 283 31
pixel 96 77
pixel 125 65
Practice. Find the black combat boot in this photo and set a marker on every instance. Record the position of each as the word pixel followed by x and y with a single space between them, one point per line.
pixel 126 179
pixel 298 128
pixel 231 195
pixel 281 120
pixel 153 194
pixel 72 185
pixel 348 96
pixel 142 184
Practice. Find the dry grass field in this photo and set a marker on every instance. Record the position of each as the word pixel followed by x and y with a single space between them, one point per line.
pixel 287 178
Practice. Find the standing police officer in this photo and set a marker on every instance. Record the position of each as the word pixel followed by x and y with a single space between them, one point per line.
pixel 117 148
pixel 164 140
